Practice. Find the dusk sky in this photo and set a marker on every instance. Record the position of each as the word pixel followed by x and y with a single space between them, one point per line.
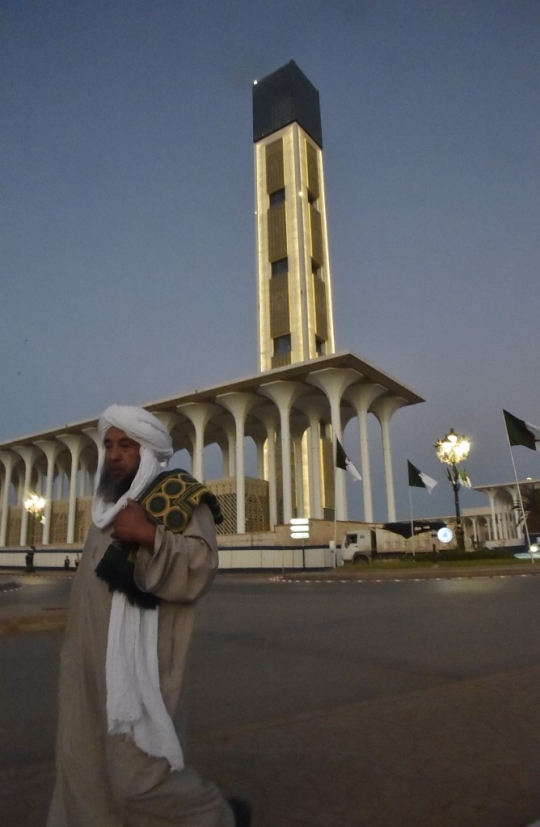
pixel 128 236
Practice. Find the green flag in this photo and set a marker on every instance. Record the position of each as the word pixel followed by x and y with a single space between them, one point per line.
pixel 343 461
pixel 521 432
pixel 417 479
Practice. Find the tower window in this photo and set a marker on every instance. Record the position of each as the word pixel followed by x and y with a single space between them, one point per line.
pixel 280 267
pixel 282 344
pixel 320 346
pixel 312 199
pixel 277 197
pixel 315 268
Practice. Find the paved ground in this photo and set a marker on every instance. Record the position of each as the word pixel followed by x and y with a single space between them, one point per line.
pixel 466 756
pixel 464 753
pixel 460 756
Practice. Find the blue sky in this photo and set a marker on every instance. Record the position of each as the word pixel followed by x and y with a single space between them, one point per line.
pixel 128 261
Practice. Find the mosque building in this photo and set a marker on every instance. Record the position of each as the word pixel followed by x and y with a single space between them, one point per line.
pixel 293 410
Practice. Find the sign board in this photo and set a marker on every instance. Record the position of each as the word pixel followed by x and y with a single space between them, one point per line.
pixel 299 528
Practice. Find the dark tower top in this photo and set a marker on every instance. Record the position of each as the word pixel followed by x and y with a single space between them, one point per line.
pixel 283 97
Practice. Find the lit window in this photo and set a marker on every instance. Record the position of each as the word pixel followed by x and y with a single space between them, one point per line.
pixel 282 344
pixel 280 267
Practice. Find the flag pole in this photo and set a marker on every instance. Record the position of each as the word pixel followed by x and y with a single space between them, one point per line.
pixel 335 498
pixel 412 521
pixel 525 526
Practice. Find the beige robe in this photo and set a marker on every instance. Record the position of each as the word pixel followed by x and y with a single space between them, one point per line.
pixel 104 780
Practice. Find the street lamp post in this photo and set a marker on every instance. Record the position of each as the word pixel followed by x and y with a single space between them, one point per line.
pixel 35 506
pixel 451 450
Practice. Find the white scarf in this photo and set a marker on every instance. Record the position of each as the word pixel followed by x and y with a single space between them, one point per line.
pixel 135 704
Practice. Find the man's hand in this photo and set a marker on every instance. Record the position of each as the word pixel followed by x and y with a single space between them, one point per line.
pixel 132 525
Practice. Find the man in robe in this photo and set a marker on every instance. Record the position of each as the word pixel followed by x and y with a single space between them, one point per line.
pixel 119 762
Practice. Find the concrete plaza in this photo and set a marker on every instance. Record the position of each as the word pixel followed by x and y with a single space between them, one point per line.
pixel 443 751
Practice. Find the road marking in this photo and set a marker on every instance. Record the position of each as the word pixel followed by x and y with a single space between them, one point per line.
pixel 288 580
pixel 10 587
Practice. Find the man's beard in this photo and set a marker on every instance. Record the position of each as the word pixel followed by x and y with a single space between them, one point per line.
pixel 111 490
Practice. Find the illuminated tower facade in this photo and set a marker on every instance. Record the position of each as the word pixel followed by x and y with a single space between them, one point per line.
pixel 295 321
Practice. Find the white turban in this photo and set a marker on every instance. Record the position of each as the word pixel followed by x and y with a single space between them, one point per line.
pixel 156 448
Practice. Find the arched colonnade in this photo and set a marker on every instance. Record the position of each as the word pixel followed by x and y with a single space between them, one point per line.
pixel 292 415
pixel 502 520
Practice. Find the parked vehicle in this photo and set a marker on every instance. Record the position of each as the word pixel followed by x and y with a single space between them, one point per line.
pixel 358 545
pixel 389 540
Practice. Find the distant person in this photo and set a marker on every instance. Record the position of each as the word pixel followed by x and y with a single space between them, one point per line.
pixel 29 559
pixel 67 563
pixel 152 545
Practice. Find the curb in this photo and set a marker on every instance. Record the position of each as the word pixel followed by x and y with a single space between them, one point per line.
pixel 54 621
pixel 50 622
pixel 433 573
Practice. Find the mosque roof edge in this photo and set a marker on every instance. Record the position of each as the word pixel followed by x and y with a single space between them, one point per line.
pixel 250 384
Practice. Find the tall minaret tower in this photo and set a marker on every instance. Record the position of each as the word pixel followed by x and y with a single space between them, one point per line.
pixel 294 284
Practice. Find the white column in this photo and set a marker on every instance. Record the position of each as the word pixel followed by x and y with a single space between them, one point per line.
pixel 506 534
pixel 268 416
pixel 20 486
pixel 362 396
pixel 29 454
pixel 63 465
pixel 334 382
pixel 315 486
pixel 223 443
pixel 518 525
pixel 199 414
pixel 227 443
pixel 317 410
pixel 513 522
pixel 258 434
pixel 8 460
pixel 239 404
pixel 93 435
pixel 299 474
pixel 260 442
pixel 474 521
pixel 84 476
pixel 384 408
pixel 51 449
pixel 494 526
pixel 75 443
pixel 229 458
pixel 283 395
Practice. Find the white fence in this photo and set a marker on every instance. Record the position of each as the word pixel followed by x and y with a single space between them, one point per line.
pixel 229 559
pixel 276 558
